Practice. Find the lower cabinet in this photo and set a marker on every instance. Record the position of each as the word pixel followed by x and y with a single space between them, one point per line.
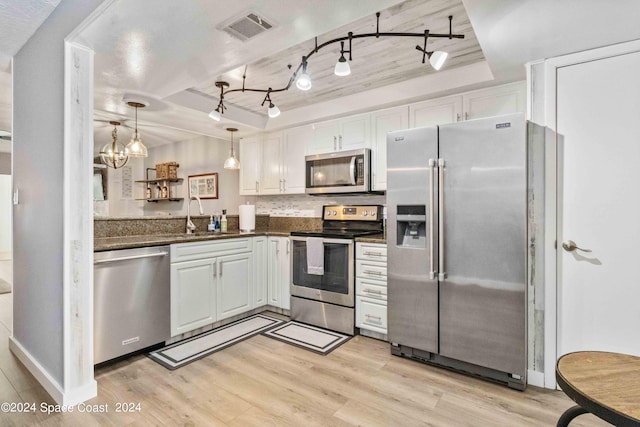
pixel 193 295
pixel 210 281
pixel 235 284
pixel 260 269
pixel 371 288
pixel 279 266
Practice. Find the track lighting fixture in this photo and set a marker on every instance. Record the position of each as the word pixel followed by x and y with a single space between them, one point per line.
pixel 304 81
pixel 232 162
pixel 301 77
pixel 342 66
pixel 272 111
pixel 436 58
pixel 113 154
pixel 219 110
pixel 135 147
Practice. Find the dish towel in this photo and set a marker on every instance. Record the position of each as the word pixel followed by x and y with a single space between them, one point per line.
pixel 315 256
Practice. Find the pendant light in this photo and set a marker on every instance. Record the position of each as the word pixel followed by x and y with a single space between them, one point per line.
pixel 113 154
pixel 135 147
pixel 273 110
pixel 232 162
pixel 219 110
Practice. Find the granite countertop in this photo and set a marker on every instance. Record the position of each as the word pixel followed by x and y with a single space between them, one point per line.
pixel 128 242
pixel 373 238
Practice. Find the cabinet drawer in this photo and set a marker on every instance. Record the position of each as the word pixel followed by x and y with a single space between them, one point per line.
pixel 371 251
pixel 371 314
pixel 208 249
pixel 375 289
pixel 371 269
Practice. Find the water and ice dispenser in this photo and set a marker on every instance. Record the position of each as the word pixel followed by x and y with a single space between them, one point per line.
pixel 411 222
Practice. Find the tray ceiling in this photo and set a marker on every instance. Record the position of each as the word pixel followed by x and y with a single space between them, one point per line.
pixel 376 63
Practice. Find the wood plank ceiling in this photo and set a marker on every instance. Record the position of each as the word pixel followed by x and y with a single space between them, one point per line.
pixel 376 63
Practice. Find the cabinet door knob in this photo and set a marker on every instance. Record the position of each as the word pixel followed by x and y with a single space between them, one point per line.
pixel 335 143
pixel 340 142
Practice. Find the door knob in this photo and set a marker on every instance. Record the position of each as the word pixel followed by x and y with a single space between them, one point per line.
pixel 571 246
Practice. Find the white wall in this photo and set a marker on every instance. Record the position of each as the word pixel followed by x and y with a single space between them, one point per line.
pixel 38 162
pixel 120 204
pixel 197 156
pixel 5 215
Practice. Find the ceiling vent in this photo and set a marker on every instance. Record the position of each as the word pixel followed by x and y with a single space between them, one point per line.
pixel 247 26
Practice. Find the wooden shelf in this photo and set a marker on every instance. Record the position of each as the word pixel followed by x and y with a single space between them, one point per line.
pixel 168 199
pixel 155 181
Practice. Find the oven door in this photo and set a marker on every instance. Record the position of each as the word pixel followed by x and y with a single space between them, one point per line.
pixel 336 285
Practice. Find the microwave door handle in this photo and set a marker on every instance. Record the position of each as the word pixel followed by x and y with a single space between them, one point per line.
pixel 352 170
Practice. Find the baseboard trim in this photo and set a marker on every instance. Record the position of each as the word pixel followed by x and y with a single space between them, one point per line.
pixel 535 378
pixel 37 370
pixel 51 386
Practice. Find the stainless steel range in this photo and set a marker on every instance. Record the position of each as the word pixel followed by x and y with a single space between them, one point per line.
pixel 323 264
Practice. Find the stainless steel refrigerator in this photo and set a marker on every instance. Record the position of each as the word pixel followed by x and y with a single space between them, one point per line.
pixel 456 238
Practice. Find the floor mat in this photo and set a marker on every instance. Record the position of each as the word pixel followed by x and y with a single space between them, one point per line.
pixel 191 349
pixel 311 338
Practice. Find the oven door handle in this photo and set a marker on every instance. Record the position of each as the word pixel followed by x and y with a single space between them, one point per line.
pixel 352 170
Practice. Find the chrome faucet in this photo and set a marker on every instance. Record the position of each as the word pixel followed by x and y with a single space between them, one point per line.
pixel 190 225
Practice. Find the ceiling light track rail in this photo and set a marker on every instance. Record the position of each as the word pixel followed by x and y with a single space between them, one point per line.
pixel 303 82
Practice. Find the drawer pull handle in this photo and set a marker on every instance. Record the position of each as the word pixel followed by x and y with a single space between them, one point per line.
pixel 373 253
pixel 376 273
pixel 378 318
pixel 373 291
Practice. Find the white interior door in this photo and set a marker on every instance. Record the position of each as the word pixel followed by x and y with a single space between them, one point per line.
pixel 599 205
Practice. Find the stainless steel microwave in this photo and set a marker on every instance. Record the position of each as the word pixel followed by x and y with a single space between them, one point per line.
pixel 339 172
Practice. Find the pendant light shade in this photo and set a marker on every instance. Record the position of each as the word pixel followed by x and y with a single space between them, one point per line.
pixel 273 111
pixel 135 147
pixel 232 162
pixel 437 59
pixel 215 115
pixel 114 154
pixel 342 67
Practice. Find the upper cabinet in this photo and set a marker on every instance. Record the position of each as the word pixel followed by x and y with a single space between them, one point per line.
pixel 494 101
pixel 383 122
pixel 275 162
pixel 435 112
pixel 250 165
pixel 344 134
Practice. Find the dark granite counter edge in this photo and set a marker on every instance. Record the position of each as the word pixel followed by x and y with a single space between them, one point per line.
pixel 102 244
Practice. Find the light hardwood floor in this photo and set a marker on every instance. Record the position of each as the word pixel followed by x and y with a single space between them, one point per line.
pixel 263 382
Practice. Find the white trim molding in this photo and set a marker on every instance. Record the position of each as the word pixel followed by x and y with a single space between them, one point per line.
pixel 79 383
pixel 37 370
pixel 535 378
pixel 551 262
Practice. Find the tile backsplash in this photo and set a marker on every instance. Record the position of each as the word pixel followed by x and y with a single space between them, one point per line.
pixel 302 205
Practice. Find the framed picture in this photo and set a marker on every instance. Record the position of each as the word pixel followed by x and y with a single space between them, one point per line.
pixel 204 185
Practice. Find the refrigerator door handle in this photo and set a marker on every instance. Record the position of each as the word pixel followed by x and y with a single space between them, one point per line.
pixel 441 273
pixel 432 265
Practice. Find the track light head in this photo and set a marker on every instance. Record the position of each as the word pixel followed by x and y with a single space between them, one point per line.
pixel 342 66
pixel 273 111
pixel 304 81
pixel 215 115
pixel 437 59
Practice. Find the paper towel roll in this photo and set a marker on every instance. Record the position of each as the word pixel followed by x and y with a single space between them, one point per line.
pixel 247 218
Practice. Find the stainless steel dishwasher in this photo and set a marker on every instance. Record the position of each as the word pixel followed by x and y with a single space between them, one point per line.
pixel 131 300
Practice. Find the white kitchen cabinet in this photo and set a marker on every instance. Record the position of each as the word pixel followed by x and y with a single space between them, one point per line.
pixel 210 281
pixel 272 170
pixel 250 165
pixel 371 288
pixel 349 133
pixel 193 295
pixel 435 112
pixel 279 253
pixel 260 269
pixel 383 122
pixel 493 101
pixel 235 284
pixel 292 159
pixel 283 161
